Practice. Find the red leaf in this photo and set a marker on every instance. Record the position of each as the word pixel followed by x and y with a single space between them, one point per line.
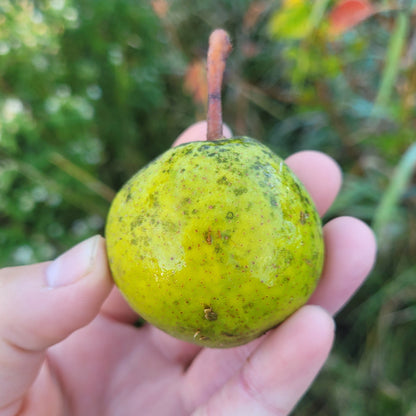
pixel 160 7
pixel 348 13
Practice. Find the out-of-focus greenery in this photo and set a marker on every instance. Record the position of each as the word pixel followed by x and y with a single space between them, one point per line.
pixel 91 91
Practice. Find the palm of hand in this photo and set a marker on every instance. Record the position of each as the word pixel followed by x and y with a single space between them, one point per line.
pixel 112 368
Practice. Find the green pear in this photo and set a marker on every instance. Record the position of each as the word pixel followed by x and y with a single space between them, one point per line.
pixel 215 242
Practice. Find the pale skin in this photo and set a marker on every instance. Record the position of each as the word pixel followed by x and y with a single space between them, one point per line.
pixel 68 346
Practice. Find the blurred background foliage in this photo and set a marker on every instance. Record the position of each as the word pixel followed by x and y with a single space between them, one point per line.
pixel 92 90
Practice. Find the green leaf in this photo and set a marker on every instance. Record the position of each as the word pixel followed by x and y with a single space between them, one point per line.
pixel 399 183
pixel 291 21
pixel 392 65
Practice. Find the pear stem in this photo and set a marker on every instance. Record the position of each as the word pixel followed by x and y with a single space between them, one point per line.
pixel 218 51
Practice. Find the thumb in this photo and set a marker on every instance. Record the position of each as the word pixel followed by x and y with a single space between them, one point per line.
pixel 41 304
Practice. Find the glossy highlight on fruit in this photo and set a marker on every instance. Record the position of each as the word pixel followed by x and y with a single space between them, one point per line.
pixel 215 242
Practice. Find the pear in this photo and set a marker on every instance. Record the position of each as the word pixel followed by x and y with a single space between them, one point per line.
pixel 215 242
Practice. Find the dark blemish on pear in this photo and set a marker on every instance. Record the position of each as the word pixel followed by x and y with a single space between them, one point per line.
pixel 304 217
pixel 247 306
pixel 209 314
pixel 227 334
pixel 136 223
pixel 240 191
pixel 203 338
pixel 208 237
pixel 222 181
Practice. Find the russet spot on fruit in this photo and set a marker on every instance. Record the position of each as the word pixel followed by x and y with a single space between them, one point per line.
pixel 215 242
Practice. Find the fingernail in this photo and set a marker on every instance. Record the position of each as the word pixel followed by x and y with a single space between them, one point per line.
pixel 73 264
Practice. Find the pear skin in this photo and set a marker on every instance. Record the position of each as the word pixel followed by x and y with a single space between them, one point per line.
pixel 215 242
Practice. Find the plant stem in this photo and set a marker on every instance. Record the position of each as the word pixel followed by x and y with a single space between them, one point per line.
pixel 391 70
pixel 399 183
pixel 218 51
pixel 82 176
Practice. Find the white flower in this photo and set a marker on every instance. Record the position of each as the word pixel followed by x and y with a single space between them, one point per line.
pixel 12 107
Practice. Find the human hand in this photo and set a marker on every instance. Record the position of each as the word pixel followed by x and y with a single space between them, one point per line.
pixel 68 346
